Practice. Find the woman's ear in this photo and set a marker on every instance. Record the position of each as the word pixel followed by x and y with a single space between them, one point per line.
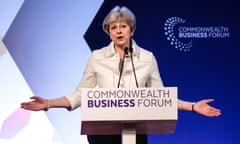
pixel 132 33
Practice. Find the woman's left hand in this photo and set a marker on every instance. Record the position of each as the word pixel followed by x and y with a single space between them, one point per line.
pixel 202 107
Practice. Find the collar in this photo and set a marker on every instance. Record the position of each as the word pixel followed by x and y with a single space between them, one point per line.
pixel 110 52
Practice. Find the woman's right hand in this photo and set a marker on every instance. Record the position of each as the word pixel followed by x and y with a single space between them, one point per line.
pixel 36 104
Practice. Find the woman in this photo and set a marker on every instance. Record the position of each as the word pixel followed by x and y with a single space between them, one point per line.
pixel 104 71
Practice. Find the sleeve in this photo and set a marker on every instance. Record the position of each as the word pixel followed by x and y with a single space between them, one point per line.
pixel 88 81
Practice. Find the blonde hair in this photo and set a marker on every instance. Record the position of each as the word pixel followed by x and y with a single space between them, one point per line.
pixel 119 13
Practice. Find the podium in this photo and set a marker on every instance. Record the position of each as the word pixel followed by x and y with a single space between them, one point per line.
pixel 128 111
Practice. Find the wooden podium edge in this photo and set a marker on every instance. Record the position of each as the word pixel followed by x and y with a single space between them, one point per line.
pixel 116 127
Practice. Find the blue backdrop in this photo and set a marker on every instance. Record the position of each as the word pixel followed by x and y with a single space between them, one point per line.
pixel 46 42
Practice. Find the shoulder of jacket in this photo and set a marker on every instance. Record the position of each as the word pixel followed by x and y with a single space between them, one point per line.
pixel 146 55
pixel 99 53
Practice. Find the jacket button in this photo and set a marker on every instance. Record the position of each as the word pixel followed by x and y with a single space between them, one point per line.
pixel 122 85
pixel 128 72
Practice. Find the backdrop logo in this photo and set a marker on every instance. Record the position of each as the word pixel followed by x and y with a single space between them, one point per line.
pixel 181 37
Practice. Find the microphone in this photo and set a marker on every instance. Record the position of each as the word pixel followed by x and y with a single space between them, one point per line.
pixel 125 51
pixel 133 67
pixel 121 64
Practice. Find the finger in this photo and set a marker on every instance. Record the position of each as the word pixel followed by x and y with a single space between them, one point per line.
pixel 209 100
pixel 215 109
pixel 25 103
pixel 30 106
pixel 34 97
pixel 215 112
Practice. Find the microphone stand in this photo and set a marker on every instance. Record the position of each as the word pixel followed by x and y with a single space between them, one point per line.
pixel 121 66
pixel 133 67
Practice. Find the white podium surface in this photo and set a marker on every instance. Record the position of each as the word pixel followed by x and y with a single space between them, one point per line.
pixel 140 110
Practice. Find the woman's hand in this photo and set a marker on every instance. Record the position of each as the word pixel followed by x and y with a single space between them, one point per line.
pixel 202 107
pixel 36 104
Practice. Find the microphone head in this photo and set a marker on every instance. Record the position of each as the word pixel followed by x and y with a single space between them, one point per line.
pixel 131 49
pixel 126 50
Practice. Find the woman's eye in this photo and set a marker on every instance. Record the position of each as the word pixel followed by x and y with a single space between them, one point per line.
pixel 113 27
pixel 123 26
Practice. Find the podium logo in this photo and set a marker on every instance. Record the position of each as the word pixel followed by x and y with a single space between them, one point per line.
pixel 181 37
pixel 128 98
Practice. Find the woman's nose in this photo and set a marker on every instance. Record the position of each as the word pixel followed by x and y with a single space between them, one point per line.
pixel 119 30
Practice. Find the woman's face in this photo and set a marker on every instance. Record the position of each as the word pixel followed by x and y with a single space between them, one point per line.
pixel 120 33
